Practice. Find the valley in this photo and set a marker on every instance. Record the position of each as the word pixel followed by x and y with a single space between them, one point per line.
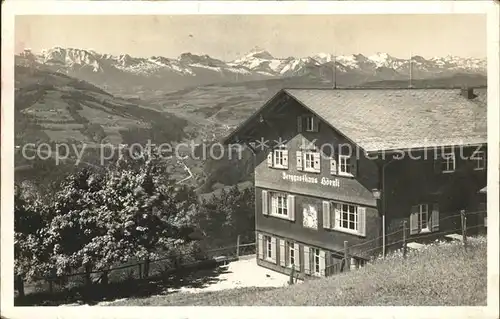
pixel 79 96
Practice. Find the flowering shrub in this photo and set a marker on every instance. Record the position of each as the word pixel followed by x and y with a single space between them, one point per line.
pixel 94 221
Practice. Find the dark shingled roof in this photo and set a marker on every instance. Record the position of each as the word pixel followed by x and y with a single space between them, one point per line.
pixel 393 119
pixel 399 119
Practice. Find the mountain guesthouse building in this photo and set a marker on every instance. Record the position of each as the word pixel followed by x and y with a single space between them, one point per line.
pixel 360 167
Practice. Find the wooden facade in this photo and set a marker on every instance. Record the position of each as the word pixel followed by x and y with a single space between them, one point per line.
pixel 308 205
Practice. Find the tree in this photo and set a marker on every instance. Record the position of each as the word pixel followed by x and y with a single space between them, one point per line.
pixel 224 216
pixel 94 221
pixel 31 255
pixel 155 213
pixel 78 233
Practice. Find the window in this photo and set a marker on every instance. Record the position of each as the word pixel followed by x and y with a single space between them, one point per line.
pixel 423 217
pixel 348 217
pixel 309 160
pixel 268 247
pixel 279 205
pixel 344 217
pixel 310 125
pixel 316 261
pixel 448 161
pixel 291 254
pixel 479 160
pixel 278 158
pixel 347 165
pixel 312 161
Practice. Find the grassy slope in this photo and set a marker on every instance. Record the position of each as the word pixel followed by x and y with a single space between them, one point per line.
pixel 440 275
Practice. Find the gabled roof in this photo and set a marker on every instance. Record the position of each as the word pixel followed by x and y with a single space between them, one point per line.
pixel 394 119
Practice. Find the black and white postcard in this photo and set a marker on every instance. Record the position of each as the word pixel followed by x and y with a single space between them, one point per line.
pixel 164 159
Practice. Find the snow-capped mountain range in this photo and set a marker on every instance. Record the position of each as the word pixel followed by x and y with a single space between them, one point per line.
pixel 192 69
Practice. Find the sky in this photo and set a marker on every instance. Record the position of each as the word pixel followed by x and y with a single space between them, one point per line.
pixel 228 37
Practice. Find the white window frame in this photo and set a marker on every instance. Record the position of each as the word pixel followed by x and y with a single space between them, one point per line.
pixel 276 209
pixel 479 159
pixel 354 215
pixel 423 208
pixel 345 163
pixel 291 260
pixel 268 248
pixel 316 257
pixel 309 120
pixel 276 157
pixel 310 168
pixel 446 156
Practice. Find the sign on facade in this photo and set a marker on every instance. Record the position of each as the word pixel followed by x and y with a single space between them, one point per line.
pixel 311 180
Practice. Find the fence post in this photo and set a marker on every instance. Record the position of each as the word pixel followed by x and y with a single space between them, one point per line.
pixel 292 274
pixel 346 257
pixel 52 275
pixel 140 270
pixel 404 239
pixel 464 228
pixel 238 246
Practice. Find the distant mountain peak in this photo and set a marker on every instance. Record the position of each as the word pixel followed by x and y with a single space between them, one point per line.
pixel 258 52
pixel 380 56
pixel 257 64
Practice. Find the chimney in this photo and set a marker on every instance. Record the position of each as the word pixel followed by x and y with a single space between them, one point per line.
pixel 468 93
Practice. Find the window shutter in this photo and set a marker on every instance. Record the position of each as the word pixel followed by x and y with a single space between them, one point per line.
pixel 307 260
pixel 299 124
pixel 265 202
pixel 273 249
pixel 315 127
pixel 414 220
pixel 291 207
pixel 285 158
pixel 333 165
pixel 297 257
pixel 261 246
pixel 322 262
pixel 270 159
pixel 435 217
pixel 354 165
pixel 336 212
pixel 317 162
pixel 326 214
pixel 299 161
pixel 362 221
pixel 282 253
